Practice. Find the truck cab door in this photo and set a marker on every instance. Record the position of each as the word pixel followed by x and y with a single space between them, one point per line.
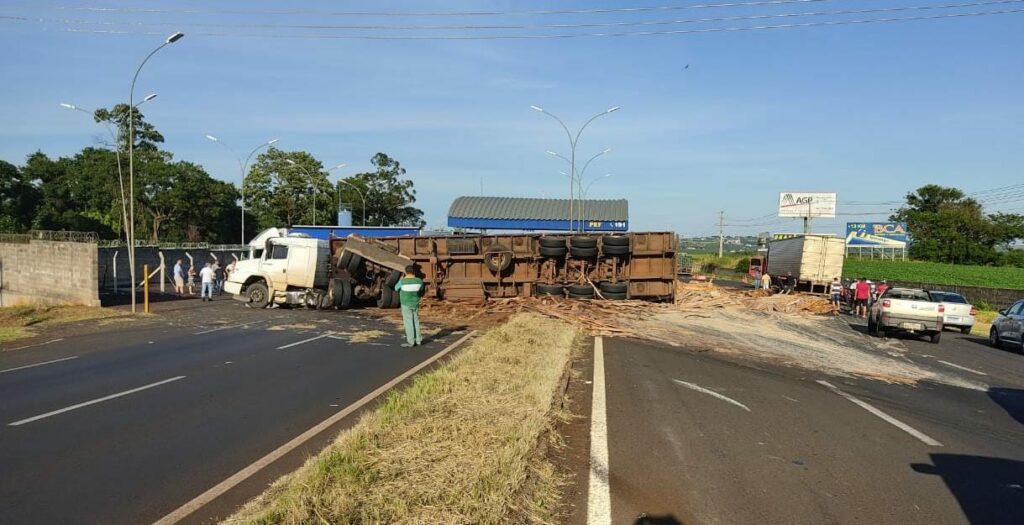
pixel 298 270
pixel 275 265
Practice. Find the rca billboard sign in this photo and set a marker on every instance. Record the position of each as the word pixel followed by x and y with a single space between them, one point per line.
pixel 807 204
pixel 877 234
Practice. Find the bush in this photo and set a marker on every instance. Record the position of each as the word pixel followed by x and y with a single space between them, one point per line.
pixel 742 265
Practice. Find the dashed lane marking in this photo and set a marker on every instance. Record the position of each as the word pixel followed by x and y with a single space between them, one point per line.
pixel 15 369
pixel 94 401
pixel 927 440
pixel 304 341
pixel 964 368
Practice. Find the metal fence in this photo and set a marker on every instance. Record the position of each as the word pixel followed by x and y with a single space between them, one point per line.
pixel 63 236
pixel 15 238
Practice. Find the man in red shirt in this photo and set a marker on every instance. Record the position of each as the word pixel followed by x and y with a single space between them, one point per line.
pixel 880 289
pixel 861 294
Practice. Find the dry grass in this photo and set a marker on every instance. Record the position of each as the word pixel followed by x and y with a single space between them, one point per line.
pixel 983 322
pixel 17 322
pixel 459 445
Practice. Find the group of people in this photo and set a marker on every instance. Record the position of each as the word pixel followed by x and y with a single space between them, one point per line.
pixel 211 278
pixel 857 294
pixel 786 283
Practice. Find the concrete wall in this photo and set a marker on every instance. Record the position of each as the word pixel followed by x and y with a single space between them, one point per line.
pixel 150 255
pixel 998 297
pixel 48 272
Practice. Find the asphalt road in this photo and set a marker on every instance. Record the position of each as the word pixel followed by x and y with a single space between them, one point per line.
pixel 126 425
pixel 694 437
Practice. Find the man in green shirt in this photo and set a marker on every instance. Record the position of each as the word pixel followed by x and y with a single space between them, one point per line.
pixel 410 288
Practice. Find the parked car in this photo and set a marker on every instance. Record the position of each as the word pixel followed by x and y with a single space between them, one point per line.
pixel 908 310
pixel 959 313
pixel 1008 327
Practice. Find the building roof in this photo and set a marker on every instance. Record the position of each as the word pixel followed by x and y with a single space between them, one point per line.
pixel 518 208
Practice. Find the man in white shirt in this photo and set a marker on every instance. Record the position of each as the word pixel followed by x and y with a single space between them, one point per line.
pixel 207 276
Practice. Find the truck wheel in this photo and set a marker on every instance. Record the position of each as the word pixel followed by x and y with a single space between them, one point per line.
pixel 611 249
pixel 583 242
pixel 556 290
pixel 258 295
pixel 935 338
pixel 497 259
pixel 583 253
pixel 353 264
pixel 614 288
pixel 614 296
pixel 344 260
pixel 580 291
pixel 393 279
pixel 993 338
pixel 396 300
pixel 384 301
pixel 615 240
pixel 340 293
pixel 552 242
pixel 553 251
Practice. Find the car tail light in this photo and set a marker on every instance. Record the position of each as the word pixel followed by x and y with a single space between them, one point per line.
pixel 942 308
pixel 886 303
pixel 974 311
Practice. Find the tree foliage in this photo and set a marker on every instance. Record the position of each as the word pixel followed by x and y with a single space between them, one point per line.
pixel 280 193
pixel 948 226
pixel 18 199
pixel 389 197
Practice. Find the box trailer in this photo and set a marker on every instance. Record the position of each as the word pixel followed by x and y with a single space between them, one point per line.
pixel 814 260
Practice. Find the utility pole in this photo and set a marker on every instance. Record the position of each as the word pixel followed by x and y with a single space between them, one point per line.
pixel 721 232
pixel 807 220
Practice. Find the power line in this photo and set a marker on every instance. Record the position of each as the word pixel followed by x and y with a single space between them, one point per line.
pixel 829 23
pixel 769 16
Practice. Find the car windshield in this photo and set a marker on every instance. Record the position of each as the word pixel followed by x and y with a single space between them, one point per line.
pixel 907 295
pixel 948 297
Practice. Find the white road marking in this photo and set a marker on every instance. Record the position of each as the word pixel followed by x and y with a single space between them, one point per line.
pixel 44 343
pixel 38 364
pixel 964 368
pixel 927 440
pixel 225 327
pixel 712 393
pixel 217 490
pixel 94 401
pixel 599 500
pixel 304 341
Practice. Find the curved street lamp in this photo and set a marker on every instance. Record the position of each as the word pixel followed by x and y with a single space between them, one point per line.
pixel 581 174
pixel 131 160
pixel 243 167
pixel 586 190
pixel 573 141
pixel 354 187
pixel 117 154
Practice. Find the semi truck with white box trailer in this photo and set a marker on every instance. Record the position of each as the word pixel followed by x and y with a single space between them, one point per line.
pixel 814 260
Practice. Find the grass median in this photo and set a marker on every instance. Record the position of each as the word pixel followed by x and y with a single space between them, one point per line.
pixel 17 322
pixel 459 445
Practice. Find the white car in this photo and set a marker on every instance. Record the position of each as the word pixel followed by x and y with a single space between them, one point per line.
pixel 1008 328
pixel 959 313
pixel 907 310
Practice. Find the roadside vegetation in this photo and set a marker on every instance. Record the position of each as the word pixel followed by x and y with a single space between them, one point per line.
pixel 461 444
pixel 936 273
pixel 17 322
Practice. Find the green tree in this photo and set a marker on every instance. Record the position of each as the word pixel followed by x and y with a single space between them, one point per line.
pixel 74 195
pixel 279 189
pixel 181 202
pixel 146 135
pixel 389 198
pixel 19 199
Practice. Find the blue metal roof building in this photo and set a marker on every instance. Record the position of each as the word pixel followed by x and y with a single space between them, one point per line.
pixel 515 213
pixel 325 232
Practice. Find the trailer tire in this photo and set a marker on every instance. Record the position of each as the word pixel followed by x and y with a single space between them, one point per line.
pixel 386 294
pixel 393 279
pixel 583 253
pixel 552 242
pixel 343 261
pixel 396 300
pixel 556 290
pixel 580 290
pixel 258 294
pixel 615 288
pixel 613 296
pixel 553 251
pixel 615 240
pixel 340 293
pixel 583 242
pixel 611 249
pixel 497 259
pixel 353 264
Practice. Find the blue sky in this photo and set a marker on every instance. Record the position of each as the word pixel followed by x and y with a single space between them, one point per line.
pixel 870 111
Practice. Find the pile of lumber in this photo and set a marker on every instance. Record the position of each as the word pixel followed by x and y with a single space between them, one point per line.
pixel 702 295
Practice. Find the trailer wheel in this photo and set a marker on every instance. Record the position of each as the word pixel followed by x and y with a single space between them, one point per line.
pixel 552 242
pixel 396 300
pixel 615 288
pixel 613 296
pixel 553 251
pixel 583 253
pixel 340 293
pixel 612 249
pixel 556 290
pixel 393 279
pixel 580 291
pixel 615 240
pixel 386 294
pixel 343 261
pixel 353 264
pixel 258 295
pixel 583 242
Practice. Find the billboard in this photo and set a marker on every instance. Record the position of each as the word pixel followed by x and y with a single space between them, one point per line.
pixel 807 204
pixel 877 234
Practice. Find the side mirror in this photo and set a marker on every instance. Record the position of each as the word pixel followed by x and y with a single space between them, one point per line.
pixel 1002 312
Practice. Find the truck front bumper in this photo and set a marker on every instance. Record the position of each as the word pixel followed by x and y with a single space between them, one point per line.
pixel 233 288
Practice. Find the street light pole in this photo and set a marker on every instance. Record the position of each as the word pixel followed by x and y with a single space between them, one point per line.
pixel 117 154
pixel 243 166
pixel 354 187
pixel 582 173
pixel 131 160
pixel 585 191
pixel 573 141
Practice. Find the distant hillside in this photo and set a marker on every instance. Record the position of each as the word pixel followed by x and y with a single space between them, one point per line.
pixel 733 244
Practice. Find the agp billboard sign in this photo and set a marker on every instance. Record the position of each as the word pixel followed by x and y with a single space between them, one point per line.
pixel 877 234
pixel 807 204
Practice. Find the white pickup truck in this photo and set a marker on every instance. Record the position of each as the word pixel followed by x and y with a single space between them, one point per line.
pixel 908 310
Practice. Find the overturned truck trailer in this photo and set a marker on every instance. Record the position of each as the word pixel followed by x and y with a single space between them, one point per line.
pixel 638 265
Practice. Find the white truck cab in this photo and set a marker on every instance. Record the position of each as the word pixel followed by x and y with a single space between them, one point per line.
pixel 282 269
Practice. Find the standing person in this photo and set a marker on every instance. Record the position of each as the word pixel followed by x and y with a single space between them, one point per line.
pixel 766 282
pixel 179 278
pixel 218 277
pixel 192 280
pixel 862 293
pixel 229 269
pixel 410 288
pixel 835 290
pixel 788 283
pixel 881 288
pixel 207 277
pixel 757 279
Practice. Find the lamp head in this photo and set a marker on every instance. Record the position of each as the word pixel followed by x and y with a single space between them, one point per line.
pixel 271 141
pixel 211 137
pixel 535 108
pixel 149 97
pixel 175 37
pixel 612 110
pixel 66 105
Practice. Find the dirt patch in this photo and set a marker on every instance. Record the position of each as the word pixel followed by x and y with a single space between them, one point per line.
pixel 459 445
pixel 294 326
pixel 18 322
pixel 362 336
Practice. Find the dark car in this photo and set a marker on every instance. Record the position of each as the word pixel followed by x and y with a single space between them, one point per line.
pixel 1008 328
